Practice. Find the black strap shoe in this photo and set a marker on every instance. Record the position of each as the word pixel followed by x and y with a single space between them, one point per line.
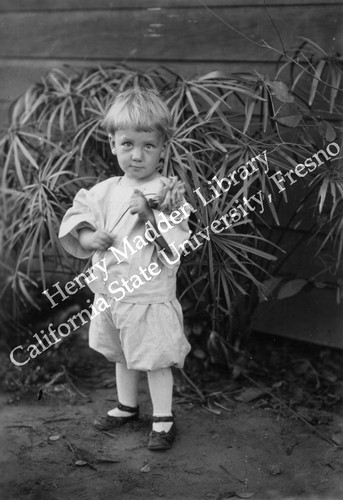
pixel 108 423
pixel 159 441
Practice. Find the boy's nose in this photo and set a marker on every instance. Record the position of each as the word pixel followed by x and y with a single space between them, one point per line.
pixel 137 154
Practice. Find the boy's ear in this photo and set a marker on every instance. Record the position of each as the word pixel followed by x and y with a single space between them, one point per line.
pixel 112 144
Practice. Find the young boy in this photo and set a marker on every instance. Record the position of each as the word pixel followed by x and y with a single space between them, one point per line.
pixel 141 326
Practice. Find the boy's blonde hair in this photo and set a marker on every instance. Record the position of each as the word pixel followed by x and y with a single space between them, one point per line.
pixel 139 108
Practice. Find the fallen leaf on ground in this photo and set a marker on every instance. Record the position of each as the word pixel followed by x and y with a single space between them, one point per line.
pixel 54 438
pixel 81 462
pixel 145 468
pixel 245 494
pixel 250 394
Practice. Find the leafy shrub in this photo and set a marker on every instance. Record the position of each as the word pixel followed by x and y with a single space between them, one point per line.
pixel 54 145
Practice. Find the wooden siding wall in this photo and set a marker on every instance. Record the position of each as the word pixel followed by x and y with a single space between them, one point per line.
pixel 36 35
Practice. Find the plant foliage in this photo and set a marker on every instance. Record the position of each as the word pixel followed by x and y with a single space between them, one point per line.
pixel 55 145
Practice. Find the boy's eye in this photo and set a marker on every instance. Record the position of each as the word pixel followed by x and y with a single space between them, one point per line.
pixel 149 146
pixel 127 144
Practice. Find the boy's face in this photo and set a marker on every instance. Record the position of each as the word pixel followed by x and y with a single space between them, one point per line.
pixel 138 153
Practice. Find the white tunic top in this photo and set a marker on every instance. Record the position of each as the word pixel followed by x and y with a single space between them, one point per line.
pixel 153 338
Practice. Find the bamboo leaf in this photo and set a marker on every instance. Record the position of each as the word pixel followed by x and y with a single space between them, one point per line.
pixel 315 81
pixel 17 162
pixel 312 44
pixel 27 154
pixel 336 77
pixel 322 194
pixel 248 115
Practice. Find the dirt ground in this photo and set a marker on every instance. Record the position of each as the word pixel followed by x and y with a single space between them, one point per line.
pixel 229 448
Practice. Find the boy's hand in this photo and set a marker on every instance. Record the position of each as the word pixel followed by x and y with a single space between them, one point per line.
pixel 139 205
pixel 94 240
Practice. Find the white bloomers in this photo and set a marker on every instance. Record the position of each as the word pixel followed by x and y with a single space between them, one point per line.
pixel 145 336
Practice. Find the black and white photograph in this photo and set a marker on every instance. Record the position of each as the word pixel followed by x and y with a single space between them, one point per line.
pixel 171 235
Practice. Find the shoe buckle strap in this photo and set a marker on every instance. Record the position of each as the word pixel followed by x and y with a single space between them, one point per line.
pixel 163 419
pixel 129 409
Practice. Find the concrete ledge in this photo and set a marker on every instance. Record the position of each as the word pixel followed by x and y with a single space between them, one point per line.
pixel 311 316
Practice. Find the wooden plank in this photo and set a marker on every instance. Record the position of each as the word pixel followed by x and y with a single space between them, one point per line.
pixel 303 262
pixel 17 75
pixel 47 5
pixel 4 107
pixel 164 35
pixel 312 316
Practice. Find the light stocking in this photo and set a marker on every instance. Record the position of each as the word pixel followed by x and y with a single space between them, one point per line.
pixel 161 392
pixel 127 389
